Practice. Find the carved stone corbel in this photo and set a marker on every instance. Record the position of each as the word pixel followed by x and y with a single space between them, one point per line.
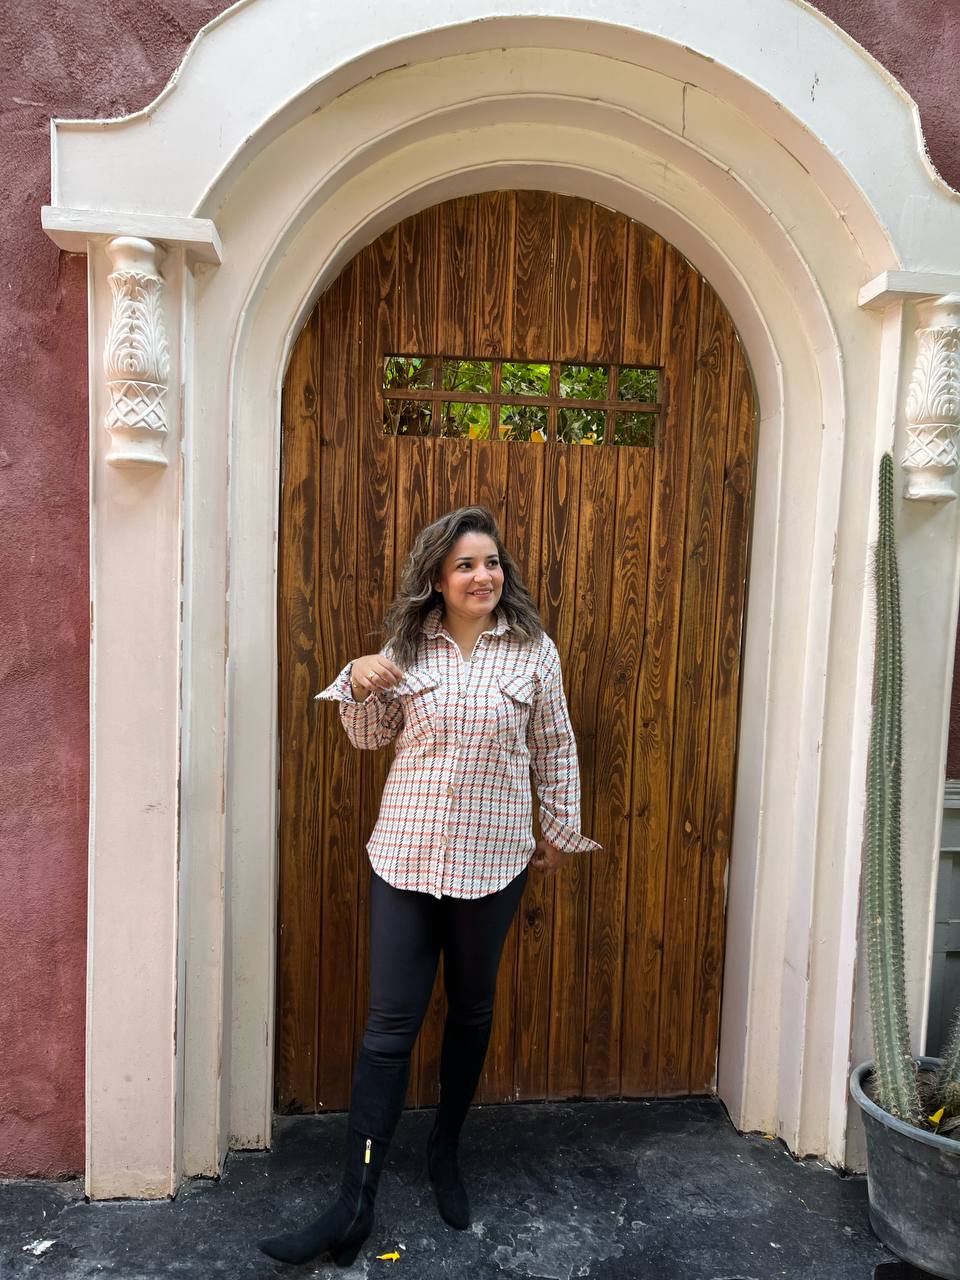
pixel 136 359
pixel 933 402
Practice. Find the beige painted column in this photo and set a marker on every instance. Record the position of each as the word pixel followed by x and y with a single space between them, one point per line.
pixel 141 271
pixel 134 289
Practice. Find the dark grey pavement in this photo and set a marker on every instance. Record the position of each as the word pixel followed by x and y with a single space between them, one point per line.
pixel 606 1190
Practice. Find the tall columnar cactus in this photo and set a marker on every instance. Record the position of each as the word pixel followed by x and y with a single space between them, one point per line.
pixel 895 1071
pixel 895 1076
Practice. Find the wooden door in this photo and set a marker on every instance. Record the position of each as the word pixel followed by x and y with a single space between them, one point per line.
pixel 631 530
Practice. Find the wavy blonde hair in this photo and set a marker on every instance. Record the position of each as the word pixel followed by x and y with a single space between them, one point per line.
pixel 416 595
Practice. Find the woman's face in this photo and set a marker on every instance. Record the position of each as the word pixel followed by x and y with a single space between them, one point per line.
pixel 471 577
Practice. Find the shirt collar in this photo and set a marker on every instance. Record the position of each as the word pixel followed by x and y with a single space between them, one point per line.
pixel 432 626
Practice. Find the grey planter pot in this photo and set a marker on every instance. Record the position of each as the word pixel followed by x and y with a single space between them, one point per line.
pixel 913 1183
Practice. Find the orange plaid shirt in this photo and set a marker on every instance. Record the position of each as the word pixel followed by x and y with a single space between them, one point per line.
pixel 456 814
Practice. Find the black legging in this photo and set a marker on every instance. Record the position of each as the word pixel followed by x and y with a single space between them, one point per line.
pixel 408 930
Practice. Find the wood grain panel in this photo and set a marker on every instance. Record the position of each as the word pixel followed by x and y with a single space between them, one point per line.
pixel 533 293
pixel 691 718
pixel 493 294
pixel 418 282
pixel 456 326
pixel 337 621
pixel 301 745
pixel 568 972
pixel 657 678
pixel 612 751
pixel 457 266
pixel 605 296
pixel 721 768
pixel 571 291
pixel 643 296
pixel 636 557
pixel 595 584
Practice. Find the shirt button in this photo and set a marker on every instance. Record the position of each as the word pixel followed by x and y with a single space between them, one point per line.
pixel 443 842
pixel 450 791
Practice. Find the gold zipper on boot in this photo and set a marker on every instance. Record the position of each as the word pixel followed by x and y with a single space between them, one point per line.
pixel 363 1179
pixel 363 1183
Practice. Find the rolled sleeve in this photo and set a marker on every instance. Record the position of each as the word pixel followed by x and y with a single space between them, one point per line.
pixel 553 758
pixel 369 724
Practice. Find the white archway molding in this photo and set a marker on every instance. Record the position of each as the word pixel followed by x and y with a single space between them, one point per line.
pixel 482 161
pixel 787 253
pixel 759 59
pixel 385 190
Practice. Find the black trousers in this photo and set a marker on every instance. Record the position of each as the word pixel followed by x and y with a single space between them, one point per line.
pixel 408 931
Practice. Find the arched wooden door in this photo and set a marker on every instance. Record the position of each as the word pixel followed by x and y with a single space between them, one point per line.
pixel 631 528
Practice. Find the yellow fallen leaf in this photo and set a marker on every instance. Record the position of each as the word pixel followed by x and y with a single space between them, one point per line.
pixel 937 1116
pixel 388 1257
pixel 771 1136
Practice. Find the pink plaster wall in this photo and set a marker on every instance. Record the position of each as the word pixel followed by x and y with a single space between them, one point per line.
pixel 99 59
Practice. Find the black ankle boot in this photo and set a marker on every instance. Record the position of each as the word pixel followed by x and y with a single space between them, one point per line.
pixel 461 1063
pixel 347 1223
pixel 379 1089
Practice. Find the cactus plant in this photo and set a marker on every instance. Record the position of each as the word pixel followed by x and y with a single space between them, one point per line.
pixel 895 1079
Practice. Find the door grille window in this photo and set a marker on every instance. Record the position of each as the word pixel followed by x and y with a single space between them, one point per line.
pixel 520 400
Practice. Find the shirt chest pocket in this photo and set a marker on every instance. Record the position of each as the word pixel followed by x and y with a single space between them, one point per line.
pixel 418 694
pixel 513 702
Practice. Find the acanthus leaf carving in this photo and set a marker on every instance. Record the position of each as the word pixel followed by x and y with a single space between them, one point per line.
pixel 136 356
pixel 933 403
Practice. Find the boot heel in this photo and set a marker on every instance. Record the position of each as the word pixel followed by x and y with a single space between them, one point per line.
pixel 344 1257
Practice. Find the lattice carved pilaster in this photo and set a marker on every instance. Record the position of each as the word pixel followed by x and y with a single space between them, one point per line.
pixel 933 402
pixel 136 359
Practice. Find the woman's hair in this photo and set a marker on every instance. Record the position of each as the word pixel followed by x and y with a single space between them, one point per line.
pixel 417 596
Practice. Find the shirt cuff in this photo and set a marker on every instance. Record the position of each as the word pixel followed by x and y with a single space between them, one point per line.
pixel 565 838
pixel 340 690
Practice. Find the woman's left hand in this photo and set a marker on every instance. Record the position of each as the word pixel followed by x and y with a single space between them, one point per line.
pixel 548 858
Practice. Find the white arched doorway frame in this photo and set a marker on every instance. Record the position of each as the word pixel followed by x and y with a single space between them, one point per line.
pixel 788 240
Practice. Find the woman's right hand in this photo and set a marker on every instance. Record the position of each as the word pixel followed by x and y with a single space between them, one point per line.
pixel 372 672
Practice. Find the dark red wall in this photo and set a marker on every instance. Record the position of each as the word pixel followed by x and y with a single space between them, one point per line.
pixel 89 59
pixel 59 59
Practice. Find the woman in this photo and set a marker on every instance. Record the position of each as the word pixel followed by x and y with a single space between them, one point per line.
pixel 470 686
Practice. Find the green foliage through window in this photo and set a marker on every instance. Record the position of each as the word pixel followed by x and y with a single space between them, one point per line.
pixel 455 397
pixel 583 381
pixel 524 379
pixel 523 422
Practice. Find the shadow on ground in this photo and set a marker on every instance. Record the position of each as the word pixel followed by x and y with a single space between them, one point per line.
pixel 607 1190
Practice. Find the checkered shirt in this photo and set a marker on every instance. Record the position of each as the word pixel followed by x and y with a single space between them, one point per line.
pixel 456 814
